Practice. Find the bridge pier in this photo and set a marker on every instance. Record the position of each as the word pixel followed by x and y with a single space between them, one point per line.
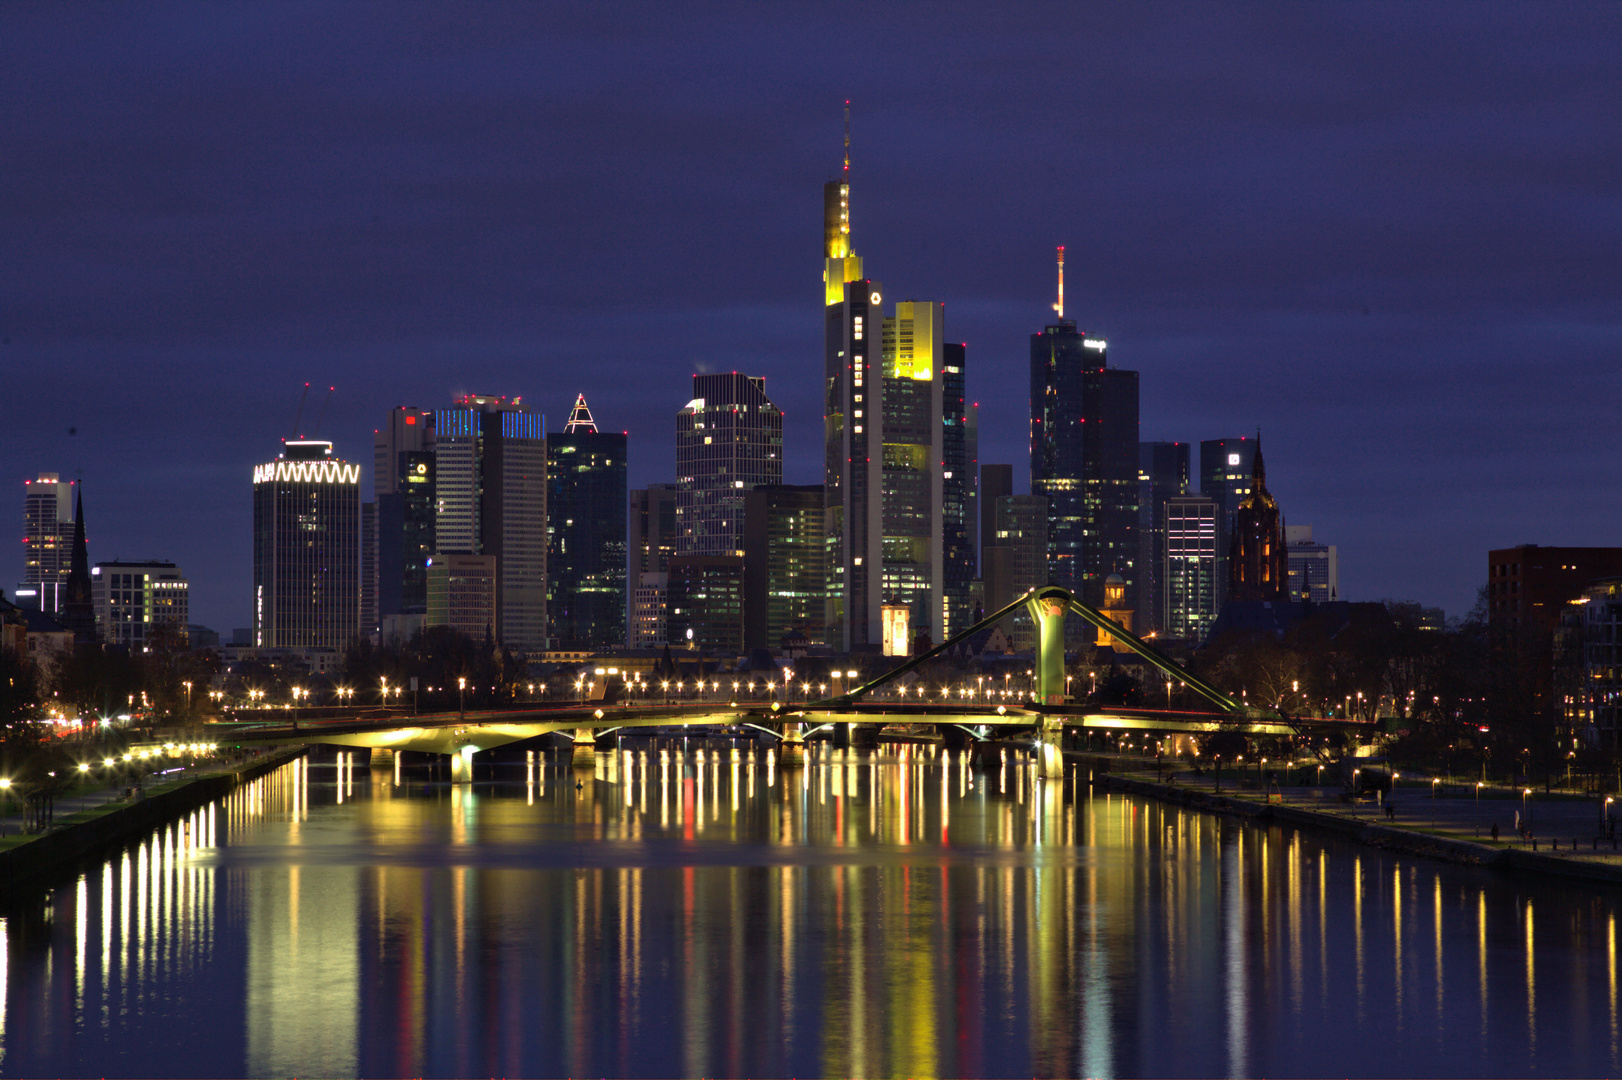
pixel 791 751
pixel 462 766
pixel 1050 748
pixel 585 747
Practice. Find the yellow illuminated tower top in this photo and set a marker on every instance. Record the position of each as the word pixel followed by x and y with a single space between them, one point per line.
pixel 840 263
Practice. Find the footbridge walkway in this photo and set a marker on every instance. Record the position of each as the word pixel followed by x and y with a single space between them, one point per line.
pixel 1044 717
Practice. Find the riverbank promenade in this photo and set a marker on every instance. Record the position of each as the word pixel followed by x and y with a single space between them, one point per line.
pixel 1560 827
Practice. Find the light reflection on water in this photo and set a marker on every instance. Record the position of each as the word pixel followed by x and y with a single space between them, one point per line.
pixel 708 913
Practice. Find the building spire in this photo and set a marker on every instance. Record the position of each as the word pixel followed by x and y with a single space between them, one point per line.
pixel 1258 471
pixel 847 138
pixel 78 606
pixel 580 419
pixel 1059 307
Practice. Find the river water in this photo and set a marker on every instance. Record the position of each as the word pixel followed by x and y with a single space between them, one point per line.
pixel 701 912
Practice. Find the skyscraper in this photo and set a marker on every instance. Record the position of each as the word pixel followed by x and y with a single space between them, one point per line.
pixel 306 549
pixel 913 435
pixel 653 528
pixel 884 412
pixel 403 483
pixel 490 486
pixel 960 470
pixel 784 580
pixel 1190 568
pixel 995 482
pixel 1162 473
pixel 585 521
pixel 1225 466
pixel 1019 559
pixel 47 538
pixel 1084 457
pixel 729 438
pixel 652 543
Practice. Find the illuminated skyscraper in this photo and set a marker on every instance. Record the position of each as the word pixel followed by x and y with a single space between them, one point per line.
pixel 585 522
pixel 729 438
pixel 490 492
pixel 885 443
pixel 1190 567
pixel 47 540
pixel 1084 457
pixel 306 549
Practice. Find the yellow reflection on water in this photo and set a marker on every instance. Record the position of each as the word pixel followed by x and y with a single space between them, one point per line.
pixel 1396 943
pixel 1437 928
pixel 1531 981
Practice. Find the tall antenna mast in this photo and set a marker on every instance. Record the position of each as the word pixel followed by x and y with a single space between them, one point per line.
pixel 1059 307
pixel 847 139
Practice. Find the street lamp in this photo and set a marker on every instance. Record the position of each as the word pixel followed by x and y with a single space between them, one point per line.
pixel 461 696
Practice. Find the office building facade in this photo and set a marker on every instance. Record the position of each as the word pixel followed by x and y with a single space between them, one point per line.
pixel 132 599
pixel 960 473
pixel 306 549
pixel 1225 470
pixel 586 527
pixel 785 580
pixel 886 410
pixel 729 438
pixel 1017 561
pixel 490 491
pixel 1084 459
pixel 406 508
pixel 1162 474
pixel 1314 568
pixel 462 594
pixel 705 603
pixel 1192 596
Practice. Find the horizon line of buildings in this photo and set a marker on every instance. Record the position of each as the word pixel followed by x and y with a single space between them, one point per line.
pixel 481 521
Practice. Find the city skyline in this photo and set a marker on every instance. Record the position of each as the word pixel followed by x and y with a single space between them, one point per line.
pixel 1360 229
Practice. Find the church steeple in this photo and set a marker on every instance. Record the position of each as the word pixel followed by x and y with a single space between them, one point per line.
pixel 1258 564
pixel 78 606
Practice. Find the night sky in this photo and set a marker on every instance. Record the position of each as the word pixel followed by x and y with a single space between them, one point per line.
pixel 1388 235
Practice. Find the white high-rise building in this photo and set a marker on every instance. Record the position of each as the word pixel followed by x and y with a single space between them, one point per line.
pixel 47 540
pixel 490 492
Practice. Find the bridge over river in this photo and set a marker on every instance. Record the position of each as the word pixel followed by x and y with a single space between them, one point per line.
pixel 1043 718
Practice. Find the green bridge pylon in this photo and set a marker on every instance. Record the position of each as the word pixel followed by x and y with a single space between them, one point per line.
pixel 1048 605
